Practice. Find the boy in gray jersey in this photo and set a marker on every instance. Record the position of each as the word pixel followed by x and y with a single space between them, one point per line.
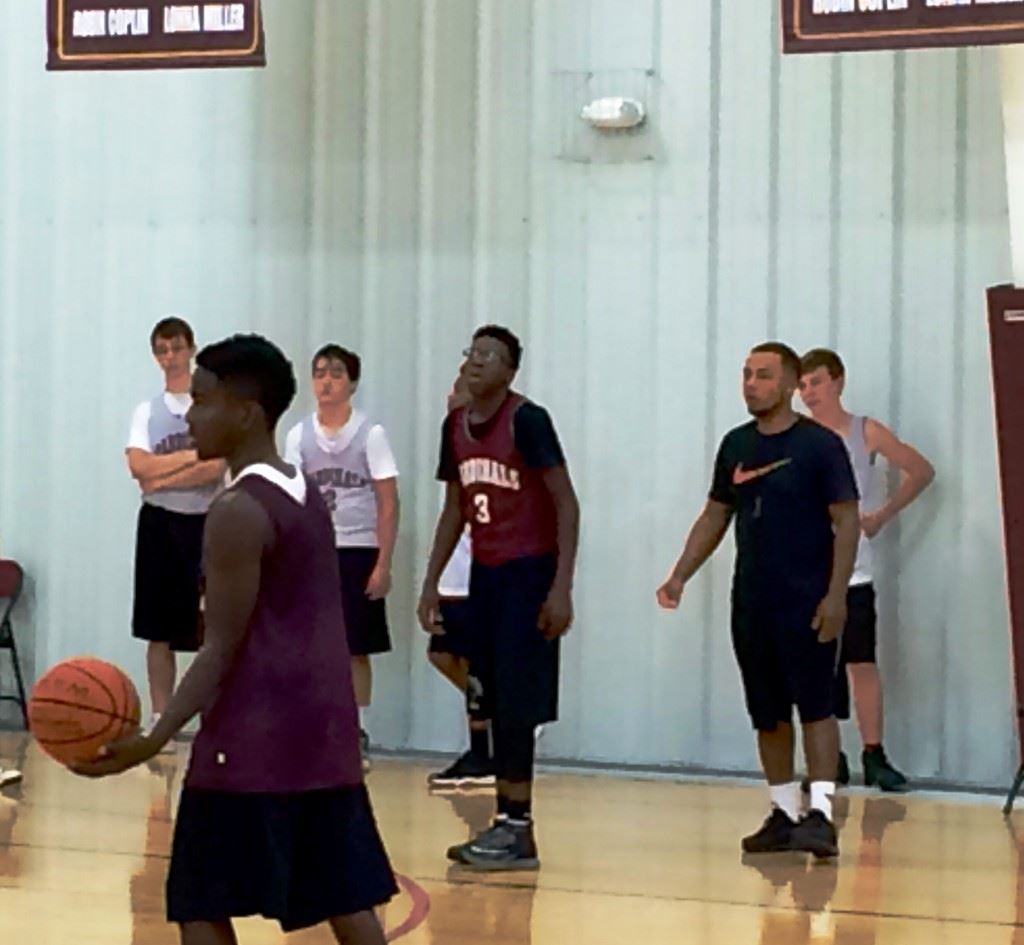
pixel 177 490
pixel 350 460
pixel 821 386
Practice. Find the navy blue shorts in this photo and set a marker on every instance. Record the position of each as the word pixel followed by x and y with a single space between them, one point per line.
pixel 366 621
pixel 859 643
pixel 168 578
pixel 457 619
pixel 298 858
pixel 513 669
pixel 783 665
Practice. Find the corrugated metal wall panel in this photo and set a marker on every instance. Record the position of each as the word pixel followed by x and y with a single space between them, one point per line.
pixel 405 170
pixel 978 689
pixel 126 197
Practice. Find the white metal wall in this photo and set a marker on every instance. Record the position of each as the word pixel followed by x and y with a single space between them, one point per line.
pixel 406 169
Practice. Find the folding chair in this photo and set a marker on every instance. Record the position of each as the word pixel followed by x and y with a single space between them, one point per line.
pixel 11 580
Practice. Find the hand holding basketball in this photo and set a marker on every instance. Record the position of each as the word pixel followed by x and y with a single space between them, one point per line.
pixel 118 756
pixel 671 593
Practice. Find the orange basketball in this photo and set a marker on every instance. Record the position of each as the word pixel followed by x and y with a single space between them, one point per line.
pixel 79 705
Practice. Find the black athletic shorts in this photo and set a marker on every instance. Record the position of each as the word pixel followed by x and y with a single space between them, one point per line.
pixel 783 664
pixel 298 858
pixel 366 621
pixel 168 573
pixel 513 669
pixel 859 643
pixel 456 618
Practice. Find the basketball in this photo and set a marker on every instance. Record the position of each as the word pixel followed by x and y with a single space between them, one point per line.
pixel 80 705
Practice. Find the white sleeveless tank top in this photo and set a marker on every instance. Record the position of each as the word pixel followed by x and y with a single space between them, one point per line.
pixel 863 464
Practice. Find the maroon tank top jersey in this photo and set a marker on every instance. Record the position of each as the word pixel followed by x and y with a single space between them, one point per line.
pixel 285 718
pixel 506 502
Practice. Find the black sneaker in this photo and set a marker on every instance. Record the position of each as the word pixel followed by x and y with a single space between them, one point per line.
pixel 879 773
pixel 815 834
pixel 773 837
pixel 468 770
pixel 455 852
pixel 504 846
pixel 842 775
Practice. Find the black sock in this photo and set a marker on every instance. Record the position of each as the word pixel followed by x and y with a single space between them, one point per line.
pixel 480 742
pixel 503 803
pixel 519 810
pixel 872 749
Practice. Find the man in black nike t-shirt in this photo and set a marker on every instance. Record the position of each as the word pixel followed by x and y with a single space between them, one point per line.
pixel 788 483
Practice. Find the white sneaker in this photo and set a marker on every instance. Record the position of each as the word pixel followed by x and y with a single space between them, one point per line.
pixel 9 776
pixel 364 750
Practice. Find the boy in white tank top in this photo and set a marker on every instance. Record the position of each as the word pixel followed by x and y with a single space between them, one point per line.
pixel 821 387
pixel 349 458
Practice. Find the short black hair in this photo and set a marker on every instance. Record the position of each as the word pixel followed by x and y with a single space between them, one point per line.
pixel 170 328
pixel 790 359
pixel 823 357
pixel 333 352
pixel 507 338
pixel 255 369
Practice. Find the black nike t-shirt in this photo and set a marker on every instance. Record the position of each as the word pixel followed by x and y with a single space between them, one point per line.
pixel 779 488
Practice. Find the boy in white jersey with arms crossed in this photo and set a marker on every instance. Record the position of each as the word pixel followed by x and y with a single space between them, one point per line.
pixel 823 377
pixel 177 489
pixel 350 460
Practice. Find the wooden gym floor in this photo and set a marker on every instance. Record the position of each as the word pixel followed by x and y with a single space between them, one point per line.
pixel 624 861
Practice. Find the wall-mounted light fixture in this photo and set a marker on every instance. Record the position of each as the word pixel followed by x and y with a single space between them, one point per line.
pixel 614 112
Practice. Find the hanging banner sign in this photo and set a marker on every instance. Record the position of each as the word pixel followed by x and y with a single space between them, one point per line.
pixel 1006 334
pixel 153 34
pixel 843 25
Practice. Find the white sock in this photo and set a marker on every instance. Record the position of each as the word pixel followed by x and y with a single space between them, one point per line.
pixel 821 796
pixel 786 797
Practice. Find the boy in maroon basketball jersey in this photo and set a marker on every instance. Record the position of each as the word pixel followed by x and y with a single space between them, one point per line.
pixel 274 819
pixel 506 476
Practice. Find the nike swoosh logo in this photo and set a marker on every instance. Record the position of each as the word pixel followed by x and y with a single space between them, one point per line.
pixel 741 475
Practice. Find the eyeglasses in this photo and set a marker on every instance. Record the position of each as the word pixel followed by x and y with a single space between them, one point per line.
pixel 481 356
pixel 160 350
